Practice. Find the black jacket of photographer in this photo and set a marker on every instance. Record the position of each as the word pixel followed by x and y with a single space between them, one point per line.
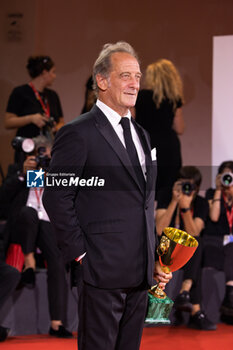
pixel 221 227
pixel 13 196
pixel 22 102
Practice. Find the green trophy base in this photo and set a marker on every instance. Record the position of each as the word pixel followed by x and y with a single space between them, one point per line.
pixel 158 310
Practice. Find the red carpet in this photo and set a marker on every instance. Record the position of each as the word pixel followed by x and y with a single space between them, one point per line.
pixel 158 338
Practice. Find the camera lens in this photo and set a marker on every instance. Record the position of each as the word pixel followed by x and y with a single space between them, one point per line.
pixel 187 188
pixel 43 161
pixel 41 150
pixel 227 179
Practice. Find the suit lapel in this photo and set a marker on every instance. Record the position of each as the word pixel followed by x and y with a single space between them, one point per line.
pixel 147 150
pixel 106 129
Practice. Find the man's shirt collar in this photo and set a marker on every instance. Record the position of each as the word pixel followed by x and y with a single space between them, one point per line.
pixel 113 117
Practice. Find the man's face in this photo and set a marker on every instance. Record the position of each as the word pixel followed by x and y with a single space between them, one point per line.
pixel 119 91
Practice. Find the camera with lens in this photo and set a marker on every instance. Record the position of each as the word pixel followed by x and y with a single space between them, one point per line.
pixel 48 129
pixel 187 187
pixel 227 179
pixel 50 122
pixel 23 144
pixel 28 146
pixel 42 159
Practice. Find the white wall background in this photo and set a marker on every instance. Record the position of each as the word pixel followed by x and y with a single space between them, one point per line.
pixel 222 118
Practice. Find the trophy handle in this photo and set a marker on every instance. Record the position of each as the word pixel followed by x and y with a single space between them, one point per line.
pixel 157 292
pixel 163 246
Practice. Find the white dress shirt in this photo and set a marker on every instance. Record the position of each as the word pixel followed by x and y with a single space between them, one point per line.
pixel 34 200
pixel 114 118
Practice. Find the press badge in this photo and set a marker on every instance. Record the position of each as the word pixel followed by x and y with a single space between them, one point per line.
pixel 227 239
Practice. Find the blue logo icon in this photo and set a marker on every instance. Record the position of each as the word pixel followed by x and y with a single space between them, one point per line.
pixel 35 178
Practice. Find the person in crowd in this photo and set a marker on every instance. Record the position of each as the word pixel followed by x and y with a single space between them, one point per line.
pixel 28 225
pixel 183 208
pixel 109 228
pixel 33 108
pixel 159 110
pixel 90 96
pixel 218 234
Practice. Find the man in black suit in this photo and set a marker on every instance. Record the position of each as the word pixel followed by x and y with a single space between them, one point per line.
pixel 110 228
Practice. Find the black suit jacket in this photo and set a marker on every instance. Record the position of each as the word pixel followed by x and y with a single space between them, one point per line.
pixel 113 224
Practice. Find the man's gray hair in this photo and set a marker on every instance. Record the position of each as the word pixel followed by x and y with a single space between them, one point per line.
pixel 103 63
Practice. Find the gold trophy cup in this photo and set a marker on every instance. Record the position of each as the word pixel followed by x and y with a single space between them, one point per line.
pixel 175 249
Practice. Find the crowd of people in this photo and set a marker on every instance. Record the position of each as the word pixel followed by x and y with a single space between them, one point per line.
pixel 35 111
pixel 111 242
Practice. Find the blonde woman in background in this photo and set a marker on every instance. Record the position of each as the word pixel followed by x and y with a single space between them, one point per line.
pixel 159 111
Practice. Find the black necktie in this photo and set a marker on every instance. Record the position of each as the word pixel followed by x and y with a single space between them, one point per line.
pixel 132 152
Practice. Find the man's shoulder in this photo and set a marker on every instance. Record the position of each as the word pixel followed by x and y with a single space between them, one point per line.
pixel 95 115
pixel 82 120
pixel 81 124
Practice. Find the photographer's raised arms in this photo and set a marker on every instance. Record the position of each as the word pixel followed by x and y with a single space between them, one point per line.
pixel 34 109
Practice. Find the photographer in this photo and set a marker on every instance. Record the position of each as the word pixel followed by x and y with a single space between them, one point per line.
pixel 184 209
pixel 33 109
pixel 218 238
pixel 28 225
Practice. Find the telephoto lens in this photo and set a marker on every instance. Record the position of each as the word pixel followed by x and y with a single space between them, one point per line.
pixel 227 179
